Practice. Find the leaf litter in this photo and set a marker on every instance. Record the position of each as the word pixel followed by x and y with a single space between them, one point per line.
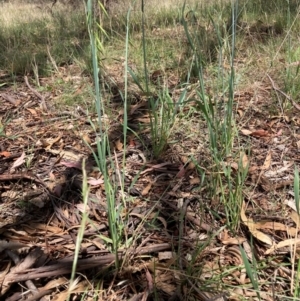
pixel 168 214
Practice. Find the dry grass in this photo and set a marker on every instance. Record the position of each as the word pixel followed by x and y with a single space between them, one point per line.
pixel 14 13
pixel 154 5
pixel 60 33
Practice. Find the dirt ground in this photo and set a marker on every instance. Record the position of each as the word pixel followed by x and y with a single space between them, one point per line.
pixel 169 216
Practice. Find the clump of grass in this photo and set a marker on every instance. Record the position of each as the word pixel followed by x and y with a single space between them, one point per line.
pixel 219 115
pixel 162 113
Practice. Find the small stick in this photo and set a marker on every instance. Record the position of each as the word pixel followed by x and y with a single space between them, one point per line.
pixel 10 99
pixel 11 177
pixel 36 93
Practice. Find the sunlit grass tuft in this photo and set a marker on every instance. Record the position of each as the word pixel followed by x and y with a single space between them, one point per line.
pixel 28 33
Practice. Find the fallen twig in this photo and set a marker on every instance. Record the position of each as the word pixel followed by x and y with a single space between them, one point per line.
pixel 12 177
pixel 20 267
pixel 10 99
pixel 40 96
pixel 65 266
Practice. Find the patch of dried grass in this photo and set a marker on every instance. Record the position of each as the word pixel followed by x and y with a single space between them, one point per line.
pixel 18 12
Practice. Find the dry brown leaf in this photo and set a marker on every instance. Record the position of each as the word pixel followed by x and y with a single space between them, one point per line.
pixel 224 235
pixel 191 166
pixel 77 165
pixel 10 194
pixel 136 267
pixel 95 182
pixel 67 155
pixel 253 229
pixel 209 268
pixel 55 283
pixel 234 240
pixel 83 245
pixel 260 235
pixel 83 208
pixel 260 133
pixel 267 162
pixel 276 226
pixel 279 171
pixel 246 132
pixel 75 288
pixel 248 250
pixel 119 145
pixel 18 162
pixel 288 242
pixel 147 189
pixel 165 255
pixel 51 141
pixel 234 166
pixel 184 159
pixel 41 143
pixel 32 228
pixel 253 168
pixel 194 181
pixel 291 203
pixel 243 214
pixel 164 281
pixel 86 139
pixel 32 111
pixel 285 243
pixel 149 280
pixel 5 154
pixel 279 133
pixel 240 113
